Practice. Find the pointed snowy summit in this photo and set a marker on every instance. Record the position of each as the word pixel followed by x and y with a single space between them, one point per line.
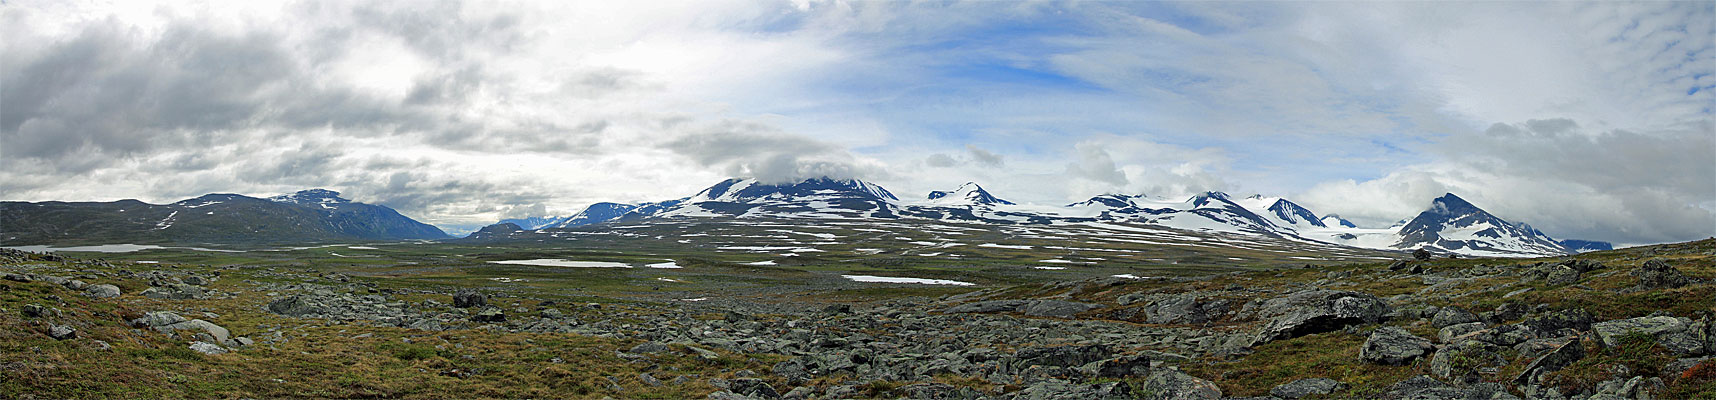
pixel 1452 224
pixel 968 194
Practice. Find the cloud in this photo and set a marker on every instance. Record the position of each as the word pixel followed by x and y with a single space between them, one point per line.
pixel 1566 180
pixel 1094 164
pixel 458 113
pixel 753 150
pixel 985 158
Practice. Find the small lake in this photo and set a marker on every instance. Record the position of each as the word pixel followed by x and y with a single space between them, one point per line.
pixel 555 262
pixel 891 279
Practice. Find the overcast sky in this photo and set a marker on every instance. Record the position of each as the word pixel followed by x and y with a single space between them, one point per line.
pixel 1587 120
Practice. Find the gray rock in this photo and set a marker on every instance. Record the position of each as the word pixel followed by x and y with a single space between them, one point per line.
pixel 157 319
pixel 1656 274
pixel 1307 387
pixel 76 285
pixel 1554 359
pixel 62 332
pixel 754 388
pixel 1449 333
pixel 1123 367
pixel 1316 311
pixel 1551 322
pixel 220 335
pixel 489 314
pixel 177 291
pixel 297 305
pixel 1054 389
pixel 1184 309
pixel 648 348
pixel 1452 316
pixel 1670 332
pixel 102 291
pixel 466 298
pixel 1459 362
pixel 196 280
pixel 1393 346
pixel 990 306
pixel 1059 356
pixel 1056 308
pixel 1562 277
pixel 207 348
pixel 36 311
pixel 1423 387
pixel 1168 384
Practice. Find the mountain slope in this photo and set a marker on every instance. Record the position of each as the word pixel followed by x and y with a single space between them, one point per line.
pixel 306 216
pixel 968 194
pixel 811 198
pixel 593 214
pixel 1453 225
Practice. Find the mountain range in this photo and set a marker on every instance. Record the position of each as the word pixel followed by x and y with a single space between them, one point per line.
pixel 1449 225
pixel 314 215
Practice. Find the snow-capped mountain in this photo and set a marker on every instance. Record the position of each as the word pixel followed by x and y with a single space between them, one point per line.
pixel 1451 225
pixel 1454 225
pixel 533 223
pixel 593 214
pixel 305 216
pixel 968 194
pixel 1281 212
pixel 1582 246
pixel 812 198
pixel 1335 221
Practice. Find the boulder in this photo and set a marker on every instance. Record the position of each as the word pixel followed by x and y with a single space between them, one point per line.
pixel 1557 356
pixel 1551 322
pixel 1677 334
pixel 1449 333
pixel 1656 274
pixel 753 387
pixel 176 291
pixel 1307 387
pixel 1452 316
pixel 1316 311
pixel 157 319
pixel 489 314
pixel 207 348
pixel 1122 367
pixel 1562 277
pixel 466 298
pixel 102 291
pixel 1056 308
pixel 1184 309
pixel 62 332
pixel 1459 362
pixel 649 348
pixel 1059 356
pixel 1061 390
pixel 1393 346
pixel 989 306
pixel 1423 387
pixel 36 311
pixel 1169 384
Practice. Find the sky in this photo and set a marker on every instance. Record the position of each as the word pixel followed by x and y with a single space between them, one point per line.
pixel 1588 120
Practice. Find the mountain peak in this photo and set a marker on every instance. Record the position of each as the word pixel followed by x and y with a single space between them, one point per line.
pixel 1204 198
pixel 310 196
pixel 967 194
pixel 1449 204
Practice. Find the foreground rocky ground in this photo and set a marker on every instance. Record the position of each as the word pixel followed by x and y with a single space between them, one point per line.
pixel 1634 324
